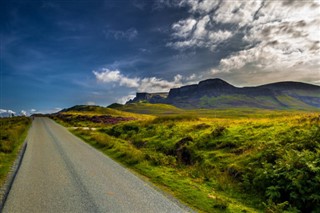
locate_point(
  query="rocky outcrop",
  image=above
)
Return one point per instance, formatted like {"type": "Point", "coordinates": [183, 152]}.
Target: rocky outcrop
{"type": "Point", "coordinates": [149, 97]}
{"type": "Point", "coordinates": [210, 87]}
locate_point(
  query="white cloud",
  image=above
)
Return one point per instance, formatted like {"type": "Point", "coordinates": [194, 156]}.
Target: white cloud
{"type": "Point", "coordinates": [128, 34]}
{"type": "Point", "coordinates": [6, 113]}
{"type": "Point", "coordinates": [108, 76]}
{"type": "Point", "coordinates": [11, 112]}
{"type": "Point", "coordinates": [33, 110]}
{"type": "Point", "coordinates": [201, 30]}
{"type": "Point", "coordinates": [49, 111]}
{"type": "Point", "coordinates": [125, 99]}
{"type": "Point", "coordinates": [154, 84]}
{"type": "Point", "coordinates": [23, 112]}
{"type": "Point", "coordinates": [240, 13]}
{"type": "Point", "coordinates": [286, 37]}
{"type": "Point", "coordinates": [147, 84]}
{"type": "Point", "coordinates": [184, 28]}
{"type": "Point", "coordinates": [57, 109]}
{"type": "Point", "coordinates": [91, 103]}
{"type": "Point", "coordinates": [204, 6]}
{"type": "Point", "coordinates": [196, 33]}
{"type": "Point", "coordinates": [273, 36]}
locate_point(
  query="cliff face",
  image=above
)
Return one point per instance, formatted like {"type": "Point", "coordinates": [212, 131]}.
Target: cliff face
{"type": "Point", "coordinates": [149, 97]}
{"type": "Point", "coordinates": [210, 87]}
{"type": "Point", "coordinates": [216, 93]}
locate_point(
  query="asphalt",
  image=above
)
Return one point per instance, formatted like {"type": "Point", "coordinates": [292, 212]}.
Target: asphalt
{"type": "Point", "coordinates": [61, 173]}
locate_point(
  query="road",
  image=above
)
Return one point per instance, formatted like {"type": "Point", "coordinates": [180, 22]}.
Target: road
{"type": "Point", "coordinates": [61, 173]}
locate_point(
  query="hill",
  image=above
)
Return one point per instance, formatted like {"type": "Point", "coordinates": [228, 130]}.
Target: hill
{"type": "Point", "coordinates": [85, 115]}
{"type": "Point", "coordinates": [216, 93]}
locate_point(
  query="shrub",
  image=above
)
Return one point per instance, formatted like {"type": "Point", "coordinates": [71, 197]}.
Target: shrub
{"type": "Point", "coordinates": [218, 131]}
{"type": "Point", "coordinates": [130, 127]}
{"type": "Point", "coordinates": [220, 204]}
{"type": "Point", "coordinates": [200, 126]}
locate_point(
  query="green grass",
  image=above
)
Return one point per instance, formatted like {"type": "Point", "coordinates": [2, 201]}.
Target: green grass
{"type": "Point", "coordinates": [13, 131]}
{"type": "Point", "coordinates": [151, 109]}
{"type": "Point", "coordinates": [98, 110]}
{"type": "Point", "coordinates": [239, 112]}
{"type": "Point", "coordinates": [235, 160]}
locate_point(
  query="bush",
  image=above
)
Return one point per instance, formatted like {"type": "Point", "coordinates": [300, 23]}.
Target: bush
{"type": "Point", "coordinates": [218, 131]}
{"type": "Point", "coordinates": [293, 177]}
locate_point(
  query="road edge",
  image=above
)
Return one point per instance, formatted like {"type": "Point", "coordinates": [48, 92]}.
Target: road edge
{"type": "Point", "coordinates": [5, 189]}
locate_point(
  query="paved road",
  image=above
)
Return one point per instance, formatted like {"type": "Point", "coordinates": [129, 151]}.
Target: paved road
{"type": "Point", "coordinates": [60, 173]}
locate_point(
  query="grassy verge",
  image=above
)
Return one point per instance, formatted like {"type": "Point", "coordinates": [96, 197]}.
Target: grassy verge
{"type": "Point", "coordinates": [174, 180]}
{"type": "Point", "coordinates": [13, 131]}
{"type": "Point", "coordinates": [233, 164]}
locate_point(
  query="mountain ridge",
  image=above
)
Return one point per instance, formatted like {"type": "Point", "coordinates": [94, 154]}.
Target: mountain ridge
{"type": "Point", "coordinates": [217, 93]}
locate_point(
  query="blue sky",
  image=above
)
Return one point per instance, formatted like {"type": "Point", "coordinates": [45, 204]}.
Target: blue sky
{"type": "Point", "coordinates": [55, 54]}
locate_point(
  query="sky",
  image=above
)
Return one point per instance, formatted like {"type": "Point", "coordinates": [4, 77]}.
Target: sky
{"type": "Point", "coordinates": [56, 54]}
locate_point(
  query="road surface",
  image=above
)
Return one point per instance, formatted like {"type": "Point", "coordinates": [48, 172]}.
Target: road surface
{"type": "Point", "coordinates": [61, 173]}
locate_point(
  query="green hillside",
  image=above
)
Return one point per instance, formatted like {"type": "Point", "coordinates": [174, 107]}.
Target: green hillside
{"type": "Point", "coordinates": [264, 102]}
{"type": "Point", "coordinates": [152, 109]}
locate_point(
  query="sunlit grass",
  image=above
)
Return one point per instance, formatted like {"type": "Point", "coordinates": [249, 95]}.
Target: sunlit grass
{"type": "Point", "coordinates": [249, 161]}
{"type": "Point", "coordinates": [12, 134]}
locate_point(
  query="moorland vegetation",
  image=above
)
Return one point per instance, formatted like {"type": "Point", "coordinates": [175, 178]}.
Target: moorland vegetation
{"type": "Point", "coordinates": [12, 134]}
{"type": "Point", "coordinates": [235, 160]}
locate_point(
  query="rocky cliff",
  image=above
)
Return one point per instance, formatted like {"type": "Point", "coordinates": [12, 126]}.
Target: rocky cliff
{"type": "Point", "coordinates": [149, 97]}
{"type": "Point", "coordinates": [216, 93]}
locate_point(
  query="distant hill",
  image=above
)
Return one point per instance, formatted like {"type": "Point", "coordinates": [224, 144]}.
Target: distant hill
{"type": "Point", "coordinates": [216, 93]}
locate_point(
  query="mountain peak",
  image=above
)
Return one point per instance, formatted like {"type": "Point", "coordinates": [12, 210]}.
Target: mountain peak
{"type": "Point", "coordinates": [213, 80]}
{"type": "Point", "coordinates": [215, 83]}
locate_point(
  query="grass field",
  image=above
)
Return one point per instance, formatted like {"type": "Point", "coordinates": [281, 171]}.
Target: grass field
{"type": "Point", "coordinates": [236, 160]}
{"type": "Point", "coordinates": [12, 134]}
{"type": "Point", "coordinates": [240, 112]}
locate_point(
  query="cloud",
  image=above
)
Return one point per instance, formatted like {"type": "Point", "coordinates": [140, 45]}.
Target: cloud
{"type": "Point", "coordinates": [139, 4]}
{"type": "Point", "coordinates": [147, 84]}
{"type": "Point", "coordinates": [23, 112]}
{"type": "Point", "coordinates": [160, 4]}
{"type": "Point", "coordinates": [281, 37]}
{"type": "Point", "coordinates": [91, 103]}
{"type": "Point", "coordinates": [6, 113]}
{"type": "Point", "coordinates": [267, 36]}
{"type": "Point", "coordinates": [108, 76]}
{"type": "Point", "coordinates": [48, 111]}
{"type": "Point", "coordinates": [154, 84]}
{"type": "Point", "coordinates": [11, 112]}
{"type": "Point", "coordinates": [183, 28]}
{"type": "Point", "coordinates": [193, 32]}
{"type": "Point", "coordinates": [124, 99]}
{"type": "Point", "coordinates": [128, 34]}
